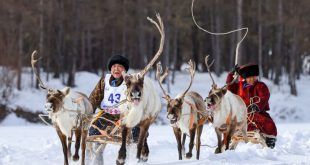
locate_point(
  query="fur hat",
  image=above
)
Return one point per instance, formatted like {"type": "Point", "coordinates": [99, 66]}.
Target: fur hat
{"type": "Point", "coordinates": [118, 59]}
{"type": "Point", "coordinates": [248, 70]}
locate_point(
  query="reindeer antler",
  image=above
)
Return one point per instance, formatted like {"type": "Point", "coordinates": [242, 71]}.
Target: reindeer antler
{"type": "Point", "coordinates": [33, 62]}
{"type": "Point", "coordinates": [233, 81]}
{"type": "Point", "coordinates": [160, 28]}
{"type": "Point", "coordinates": [208, 67]}
{"type": "Point", "coordinates": [191, 69]}
{"type": "Point", "coordinates": [160, 77]}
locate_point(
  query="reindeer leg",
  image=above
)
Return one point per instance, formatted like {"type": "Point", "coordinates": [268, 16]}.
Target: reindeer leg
{"type": "Point", "coordinates": [63, 140]}
{"type": "Point", "coordinates": [225, 139]}
{"type": "Point", "coordinates": [230, 133]}
{"type": "Point", "coordinates": [122, 151]}
{"type": "Point", "coordinates": [142, 139]}
{"type": "Point", "coordinates": [183, 144]}
{"type": "Point", "coordinates": [77, 144]}
{"type": "Point", "coordinates": [145, 149]}
{"type": "Point", "coordinates": [84, 135]}
{"type": "Point", "coordinates": [219, 141]}
{"type": "Point", "coordinates": [69, 145]}
{"type": "Point", "coordinates": [192, 134]}
{"type": "Point", "coordinates": [198, 142]}
{"type": "Point", "coordinates": [177, 133]}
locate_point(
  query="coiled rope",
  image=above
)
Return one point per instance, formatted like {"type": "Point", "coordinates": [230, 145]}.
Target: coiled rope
{"type": "Point", "coordinates": [224, 33]}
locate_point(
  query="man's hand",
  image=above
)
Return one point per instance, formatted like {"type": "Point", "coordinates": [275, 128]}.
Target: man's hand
{"type": "Point", "coordinates": [253, 108]}
{"type": "Point", "coordinates": [236, 68]}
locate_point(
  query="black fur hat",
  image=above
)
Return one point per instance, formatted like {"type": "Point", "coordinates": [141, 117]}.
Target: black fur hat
{"type": "Point", "coordinates": [118, 59]}
{"type": "Point", "coordinates": [248, 70]}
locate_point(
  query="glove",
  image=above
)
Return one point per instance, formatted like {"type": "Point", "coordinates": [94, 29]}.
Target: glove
{"type": "Point", "coordinates": [253, 108]}
{"type": "Point", "coordinates": [236, 68]}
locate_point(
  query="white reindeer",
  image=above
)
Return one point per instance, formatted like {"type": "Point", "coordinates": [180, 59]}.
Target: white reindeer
{"type": "Point", "coordinates": [228, 112]}
{"type": "Point", "coordinates": [68, 111]}
{"type": "Point", "coordinates": [143, 104]}
{"type": "Point", "coordinates": [186, 112]}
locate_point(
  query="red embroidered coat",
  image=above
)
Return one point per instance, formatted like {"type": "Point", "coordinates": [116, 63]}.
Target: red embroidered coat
{"type": "Point", "coordinates": [259, 90]}
{"type": "Point", "coordinates": [262, 120]}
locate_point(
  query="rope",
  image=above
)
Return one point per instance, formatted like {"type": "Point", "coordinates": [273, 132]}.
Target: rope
{"type": "Point", "coordinates": [207, 145]}
{"type": "Point", "coordinates": [251, 114]}
{"type": "Point", "coordinates": [224, 33]}
{"type": "Point", "coordinates": [41, 117]}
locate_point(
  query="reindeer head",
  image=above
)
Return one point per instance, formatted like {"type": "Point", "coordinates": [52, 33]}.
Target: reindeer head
{"type": "Point", "coordinates": [134, 87]}
{"type": "Point", "coordinates": [216, 94]}
{"type": "Point", "coordinates": [174, 106]}
{"type": "Point", "coordinates": [54, 97]}
{"type": "Point", "coordinates": [135, 82]}
{"type": "Point", "coordinates": [214, 98]}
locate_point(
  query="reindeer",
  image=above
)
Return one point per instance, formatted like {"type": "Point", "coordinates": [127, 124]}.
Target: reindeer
{"type": "Point", "coordinates": [68, 111]}
{"type": "Point", "coordinates": [228, 112]}
{"type": "Point", "coordinates": [186, 112]}
{"type": "Point", "coordinates": [142, 106]}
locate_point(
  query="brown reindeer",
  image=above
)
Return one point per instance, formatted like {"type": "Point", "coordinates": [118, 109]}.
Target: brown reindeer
{"type": "Point", "coordinates": [68, 111]}
{"type": "Point", "coordinates": [142, 105]}
{"type": "Point", "coordinates": [228, 111]}
{"type": "Point", "coordinates": [186, 113]}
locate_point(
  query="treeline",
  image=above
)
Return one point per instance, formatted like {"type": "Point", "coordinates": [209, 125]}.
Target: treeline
{"type": "Point", "coordinates": [75, 35]}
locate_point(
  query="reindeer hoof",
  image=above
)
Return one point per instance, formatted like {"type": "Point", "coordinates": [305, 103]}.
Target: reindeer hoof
{"type": "Point", "coordinates": [189, 155]}
{"type": "Point", "coordinates": [217, 150]}
{"type": "Point", "coordinates": [76, 158]}
{"type": "Point", "coordinates": [143, 159]}
{"type": "Point", "coordinates": [120, 162]}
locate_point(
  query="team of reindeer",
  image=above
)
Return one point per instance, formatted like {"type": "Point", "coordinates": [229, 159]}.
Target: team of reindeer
{"type": "Point", "coordinates": [187, 112]}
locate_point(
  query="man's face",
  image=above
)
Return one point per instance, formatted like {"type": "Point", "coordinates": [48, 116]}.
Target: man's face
{"type": "Point", "coordinates": [251, 80]}
{"type": "Point", "coordinates": [116, 70]}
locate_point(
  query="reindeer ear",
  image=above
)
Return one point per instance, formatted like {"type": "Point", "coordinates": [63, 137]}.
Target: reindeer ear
{"type": "Point", "coordinates": [126, 77]}
{"type": "Point", "coordinates": [66, 90]}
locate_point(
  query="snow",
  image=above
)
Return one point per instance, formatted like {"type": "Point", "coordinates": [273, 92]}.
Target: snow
{"type": "Point", "coordinates": [22, 142]}
{"type": "Point", "coordinates": [37, 145]}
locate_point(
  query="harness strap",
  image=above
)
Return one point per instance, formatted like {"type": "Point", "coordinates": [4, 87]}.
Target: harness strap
{"type": "Point", "coordinates": [191, 121]}
{"type": "Point", "coordinates": [201, 118]}
{"type": "Point", "coordinates": [201, 121]}
{"type": "Point", "coordinates": [228, 119]}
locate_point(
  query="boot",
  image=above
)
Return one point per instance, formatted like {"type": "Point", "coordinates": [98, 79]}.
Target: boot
{"type": "Point", "coordinates": [270, 142]}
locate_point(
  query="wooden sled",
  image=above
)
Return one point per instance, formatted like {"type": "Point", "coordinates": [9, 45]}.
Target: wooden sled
{"type": "Point", "coordinates": [253, 136]}
{"type": "Point", "coordinates": [112, 134]}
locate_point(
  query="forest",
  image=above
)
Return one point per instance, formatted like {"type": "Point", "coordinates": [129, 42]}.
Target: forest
{"type": "Point", "coordinates": [81, 35]}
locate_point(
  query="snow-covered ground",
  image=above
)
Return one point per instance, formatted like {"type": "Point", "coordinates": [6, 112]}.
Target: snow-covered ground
{"type": "Point", "coordinates": [22, 142]}
{"type": "Point", "coordinates": [37, 145]}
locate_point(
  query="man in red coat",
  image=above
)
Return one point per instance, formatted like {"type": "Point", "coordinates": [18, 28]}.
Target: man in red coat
{"type": "Point", "coordinates": [255, 95]}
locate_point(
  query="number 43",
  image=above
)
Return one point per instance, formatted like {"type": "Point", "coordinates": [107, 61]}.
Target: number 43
{"type": "Point", "coordinates": [114, 98]}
